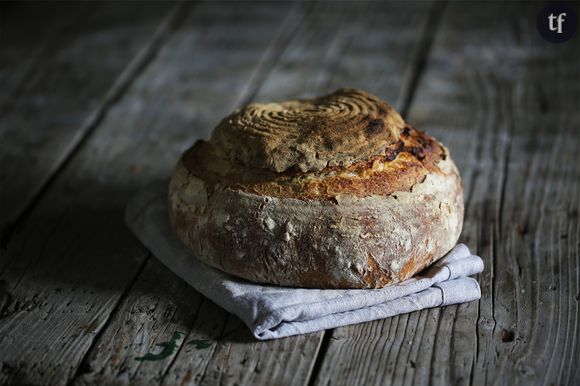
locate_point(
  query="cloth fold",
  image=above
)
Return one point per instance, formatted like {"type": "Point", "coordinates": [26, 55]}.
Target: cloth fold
{"type": "Point", "coordinates": [274, 312]}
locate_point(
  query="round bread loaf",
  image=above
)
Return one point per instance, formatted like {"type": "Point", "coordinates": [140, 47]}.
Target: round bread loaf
{"type": "Point", "coordinates": [332, 192]}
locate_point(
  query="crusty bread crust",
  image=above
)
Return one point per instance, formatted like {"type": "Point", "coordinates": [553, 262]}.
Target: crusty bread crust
{"type": "Point", "coordinates": [365, 223]}
{"type": "Point", "coordinates": [309, 134]}
{"type": "Point", "coordinates": [400, 166]}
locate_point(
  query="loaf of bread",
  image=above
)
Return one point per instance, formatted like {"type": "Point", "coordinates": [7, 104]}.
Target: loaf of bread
{"type": "Point", "coordinates": [332, 192]}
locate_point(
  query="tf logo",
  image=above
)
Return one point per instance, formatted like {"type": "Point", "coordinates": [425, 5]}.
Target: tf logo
{"type": "Point", "coordinates": [557, 22]}
{"type": "Point", "coordinates": [560, 19]}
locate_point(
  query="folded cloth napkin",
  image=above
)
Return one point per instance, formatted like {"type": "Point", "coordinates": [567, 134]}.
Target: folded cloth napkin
{"type": "Point", "coordinates": [274, 312]}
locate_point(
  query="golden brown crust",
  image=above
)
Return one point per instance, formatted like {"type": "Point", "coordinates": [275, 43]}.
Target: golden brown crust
{"type": "Point", "coordinates": [402, 165]}
{"type": "Point", "coordinates": [340, 128]}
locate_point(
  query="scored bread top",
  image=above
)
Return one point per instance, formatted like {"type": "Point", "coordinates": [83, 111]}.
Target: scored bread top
{"type": "Point", "coordinates": [340, 128]}
{"type": "Point", "coordinates": [403, 164]}
{"type": "Point", "coordinates": [406, 156]}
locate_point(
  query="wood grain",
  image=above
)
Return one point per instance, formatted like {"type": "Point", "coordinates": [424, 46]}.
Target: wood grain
{"type": "Point", "coordinates": [501, 99]}
{"type": "Point", "coordinates": [61, 66]}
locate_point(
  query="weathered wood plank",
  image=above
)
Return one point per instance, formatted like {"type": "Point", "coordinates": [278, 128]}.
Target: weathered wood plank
{"type": "Point", "coordinates": [540, 221]}
{"type": "Point", "coordinates": [66, 270]}
{"type": "Point", "coordinates": [61, 65]}
{"type": "Point", "coordinates": [21, 45]}
{"type": "Point", "coordinates": [502, 101]}
{"type": "Point", "coordinates": [227, 353]}
{"type": "Point", "coordinates": [31, 361]}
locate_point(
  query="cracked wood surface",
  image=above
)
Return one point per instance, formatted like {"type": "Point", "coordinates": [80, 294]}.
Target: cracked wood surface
{"type": "Point", "coordinates": [82, 302]}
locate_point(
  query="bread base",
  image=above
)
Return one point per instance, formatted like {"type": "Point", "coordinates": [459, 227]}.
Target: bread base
{"type": "Point", "coordinates": [346, 242]}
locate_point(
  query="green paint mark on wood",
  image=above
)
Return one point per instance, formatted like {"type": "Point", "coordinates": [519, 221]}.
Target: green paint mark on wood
{"type": "Point", "coordinates": [168, 348]}
{"type": "Point", "coordinates": [200, 344]}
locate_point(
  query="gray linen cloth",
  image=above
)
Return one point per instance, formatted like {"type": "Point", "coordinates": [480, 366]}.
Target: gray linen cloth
{"type": "Point", "coordinates": [274, 312]}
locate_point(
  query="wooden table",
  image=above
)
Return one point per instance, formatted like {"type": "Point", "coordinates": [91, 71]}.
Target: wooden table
{"type": "Point", "coordinates": [99, 99]}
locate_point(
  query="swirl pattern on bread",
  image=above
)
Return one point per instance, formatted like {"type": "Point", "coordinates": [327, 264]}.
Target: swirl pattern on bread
{"type": "Point", "coordinates": [309, 134]}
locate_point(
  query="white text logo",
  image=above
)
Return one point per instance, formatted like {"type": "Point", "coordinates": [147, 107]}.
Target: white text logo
{"type": "Point", "coordinates": [559, 19]}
